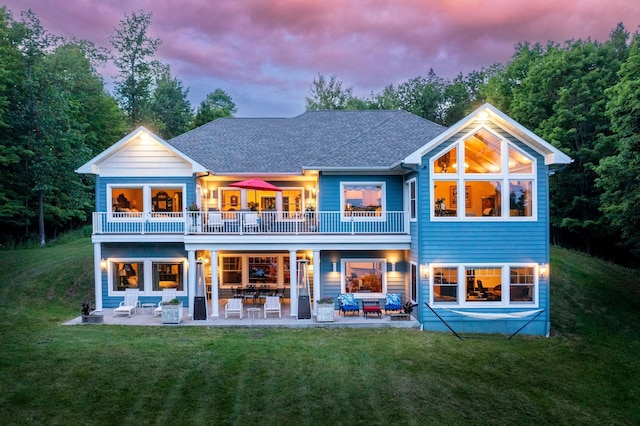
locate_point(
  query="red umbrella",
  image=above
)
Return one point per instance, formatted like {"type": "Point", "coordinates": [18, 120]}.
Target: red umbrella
{"type": "Point", "coordinates": [257, 184]}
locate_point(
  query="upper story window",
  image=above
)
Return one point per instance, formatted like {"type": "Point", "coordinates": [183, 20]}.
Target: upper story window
{"type": "Point", "coordinates": [483, 176]}
{"type": "Point", "coordinates": [362, 199]}
{"type": "Point", "coordinates": [129, 201]}
{"type": "Point", "coordinates": [412, 198]}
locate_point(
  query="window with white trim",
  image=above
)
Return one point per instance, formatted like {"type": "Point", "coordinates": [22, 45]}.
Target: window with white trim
{"type": "Point", "coordinates": [150, 276]}
{"type": "Point", "coordinates": [413, 282]}
{"type": "Point", "coordinates": [364, 200]}
{"type": "Point", "coordinates": [487, 285]}
{"type": "Point", "coordinates": [364, 277]}
{"type": "Point", "coordinates": [412, 197]}
{"type": "Point", "coordinates": [165, 201]}
{"type": "Point", "coordinates": [483, 177]}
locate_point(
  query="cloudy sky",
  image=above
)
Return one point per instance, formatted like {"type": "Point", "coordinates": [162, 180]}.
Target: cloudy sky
{"type": "Point", "coordinates": [265, 53]}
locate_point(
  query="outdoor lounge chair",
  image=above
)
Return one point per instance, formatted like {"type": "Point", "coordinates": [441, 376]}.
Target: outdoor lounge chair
{"type": "Point", "coordinates": [130, 304]}
{"type": "Point", "coordinates": [251, 222]}
{"type": "Point", "coordinates": [233, 306]}
{"type": "Point", "coordinates": [215, 222]}
{"type": "Point", "coordinates": [272, 305]}
{"type": "Point", "coordinates": [393, 302]}
{"type": "Point", "coordinates": [167, 295]}
{"type": "Point", "coordinates": [348, 303]}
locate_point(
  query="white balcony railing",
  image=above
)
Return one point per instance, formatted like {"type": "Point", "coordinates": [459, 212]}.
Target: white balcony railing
{"type": "Point", "coordinates": [242, 223]}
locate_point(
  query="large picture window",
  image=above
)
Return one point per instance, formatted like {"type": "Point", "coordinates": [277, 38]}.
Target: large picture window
{"type": "Point", "coordinates": [495, 285]}
{"type": "Point", "coordinates": [168, 275]}
{"type": "Point", "coordinates": [127, 275]}
{"type": "Point", "coordinates": [150, 276]}
{"type": "Point", "coordinates": [131, 201]}
{"type": "Point", "coordinates": [362, 199]}
{"type": "Point", "coordinates": [471, 179]}
{"type": "Point", "coordinates": [364, 277]}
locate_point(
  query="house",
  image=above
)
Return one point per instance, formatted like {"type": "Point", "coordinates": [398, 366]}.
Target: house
{"type": "Point", "coordinates": [364, 202]}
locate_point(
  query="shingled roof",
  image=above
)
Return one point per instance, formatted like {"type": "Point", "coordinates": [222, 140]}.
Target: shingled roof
{"type": "Point", "coordinates": [314, 140]}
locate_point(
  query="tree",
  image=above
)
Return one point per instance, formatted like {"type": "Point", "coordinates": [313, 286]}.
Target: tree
{"type": "Point", "coordinates": [134, 48]}
{"type": "Point", "coordinates": [170, 108]}
{"type": "Point", "coordinates": [328, 95]}
{"type": "Point", "coordinates": [619, 174]}
{"type": "Point", "coordinates": [216, 105]}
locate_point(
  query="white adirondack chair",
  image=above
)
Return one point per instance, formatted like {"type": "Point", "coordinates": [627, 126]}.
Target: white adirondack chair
{"type": "Point", "coordinates": [130, 304]}
{"type": "Point", "coordinates": [272, 305]}
{"type": "Point", "coordinates": [233, 306]}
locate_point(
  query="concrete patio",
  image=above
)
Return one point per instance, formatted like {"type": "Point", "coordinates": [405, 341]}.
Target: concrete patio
{"type": "Point", "coordinates": [145, 317]}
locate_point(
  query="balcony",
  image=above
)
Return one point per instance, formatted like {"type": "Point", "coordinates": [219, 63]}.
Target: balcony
{"type": "Point", "coordinates": [249, 223]}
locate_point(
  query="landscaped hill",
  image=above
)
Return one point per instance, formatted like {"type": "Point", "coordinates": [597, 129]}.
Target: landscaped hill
{"type": "Point", "coordinates": [587, 372]}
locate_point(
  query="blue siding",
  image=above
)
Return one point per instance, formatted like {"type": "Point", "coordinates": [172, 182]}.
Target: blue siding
{"type": "Point", "coordinates": [138, 250]}
{"type": "Point", "coordinates": [330, 190]}
{"type": "Point", "coordinates": [499, 241]}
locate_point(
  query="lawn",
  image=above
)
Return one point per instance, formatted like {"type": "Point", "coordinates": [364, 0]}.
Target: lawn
{"type": "Point", "coordinates": [587, 372]}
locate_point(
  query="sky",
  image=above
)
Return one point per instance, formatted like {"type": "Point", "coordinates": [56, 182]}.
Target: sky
{"type": "Point", "coordinates": [266, 53]}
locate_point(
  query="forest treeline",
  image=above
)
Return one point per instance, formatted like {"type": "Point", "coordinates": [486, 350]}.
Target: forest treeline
{"type": "Point", "coordinates": [583, 96]}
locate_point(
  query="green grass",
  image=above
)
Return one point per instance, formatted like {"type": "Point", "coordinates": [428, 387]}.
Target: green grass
{"type": "Point", "coordinates": [587, 372]}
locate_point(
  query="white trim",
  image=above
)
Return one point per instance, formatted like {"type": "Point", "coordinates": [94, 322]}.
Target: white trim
{"type": "Point", "coordinates": [505, 285]}
{"type": "Point", "coordinates": [551, 154]}
{"type": "Point", "coordinates": [383, 270]}
{"type": "Point", "coordinates": [147, 201]}
{"type": "Point", "coordinates": [408, 199]}
{"type": "Point", "coordinates": [93, 166]}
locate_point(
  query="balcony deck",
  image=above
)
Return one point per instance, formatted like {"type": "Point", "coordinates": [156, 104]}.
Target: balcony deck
{"type": "Point", "coordinates": [250, 223]}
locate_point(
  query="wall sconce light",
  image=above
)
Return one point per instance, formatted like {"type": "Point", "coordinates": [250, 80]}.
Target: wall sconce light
{"type": "Point", "coordinates": [103, 264]}
{"type": "Point", "coordinates": [393, 266]}
{"type": "Point", "coordinates": [483, 115]}
{"type": "Point", "coordinates": [424, 271]}
{"type": "Point", "coordinates": [335, 267]}
{"type": "Point", "coordinates": [542, 269]}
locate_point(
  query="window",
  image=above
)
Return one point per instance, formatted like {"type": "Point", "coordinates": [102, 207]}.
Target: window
{"type": "Point", "coordinates": [493, 285]}
{"type": "Point", "coordinates": [521, 284]}
{"type": "Point", "coordinates": [364, 277]}
{"type": "Point", "coordinates": [127, 275]}
{"type": "Point", "coordinates": [230, 200]}
{"type": "Point", "coordinates": [231, 270]}
{"type": "Point", "coordinates": [131, 201]}
{"type": "Point", "coordinates": [362, 199]}
{"type": "Point", "coordinates": [482, 284]}
{"type": "Point", "coordinates": [413, 279]}
{"type": "Point", "coordinates": [167, 275]}
{"type": "Point", "coordinates": [470, 180]}
{"type": "Point", "coordinates": [412, 197]}
{"type": "Point", "coordinates": [150, 276]}
{"type": "Point", "coordinates": [445, 284]}
{"type": "Point", "coordinates": [263, 270]}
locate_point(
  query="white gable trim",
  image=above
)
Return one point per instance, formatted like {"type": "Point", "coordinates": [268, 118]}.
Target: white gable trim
{"type": "Point", "coordinates": [489, 113]}
{"type": "Point", "coordinates": [93, 165]}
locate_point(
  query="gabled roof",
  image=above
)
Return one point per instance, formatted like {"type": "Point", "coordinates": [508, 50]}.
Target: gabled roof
{"type": "Point", "coordinates": [319, 140]}
{"type": "Point", "coordinates": [489, 113]}
{"type": "Point", "coordinates": [93, 165]}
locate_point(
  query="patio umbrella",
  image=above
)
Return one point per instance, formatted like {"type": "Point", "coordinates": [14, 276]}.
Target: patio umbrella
{"type": "Point", "coordinates": [256, 184]}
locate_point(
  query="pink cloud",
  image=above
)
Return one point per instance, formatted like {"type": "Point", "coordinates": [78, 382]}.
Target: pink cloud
{"type": "Point", "coordinates": [258, 49]}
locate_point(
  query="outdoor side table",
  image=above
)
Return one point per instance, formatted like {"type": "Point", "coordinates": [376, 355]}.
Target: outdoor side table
{"type": "Point", "coordinates": [252, 312]}
{"type": "Point", "coordinates": [151, 306]}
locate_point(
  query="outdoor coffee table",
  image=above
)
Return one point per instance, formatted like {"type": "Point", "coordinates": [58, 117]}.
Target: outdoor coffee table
{"type": "Point", "coordinates": [148, 305]}
{"type": "Point", "coordinates": [251, 312]}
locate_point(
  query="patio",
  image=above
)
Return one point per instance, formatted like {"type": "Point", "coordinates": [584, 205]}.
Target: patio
{"type": "Point", "coordinates": [144, 317]}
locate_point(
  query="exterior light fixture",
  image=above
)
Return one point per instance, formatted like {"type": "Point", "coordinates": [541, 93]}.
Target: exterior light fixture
{"type": "Point", "coordinates": [393, 266]}
{"type": "Point", "coordinates": [542, 269]}
{"type": "Point", "coordinates": [335, 267]}
{"type": "Point", "coordinates": [424, 271]}
{"type": "Point", "coordinates": [103, 264]}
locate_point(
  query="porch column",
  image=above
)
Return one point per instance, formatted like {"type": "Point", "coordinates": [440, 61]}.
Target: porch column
{"type": "Point", "coordinates": [97, 274]}
{"type": "Point", "coordinates": [316, 279]}
{"type": "Point", "coordinates": [293, 283]}
{"type": "Point", "coordinates": [191, 279]}
{"type": "Point", "coordinates": [214, 284]}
